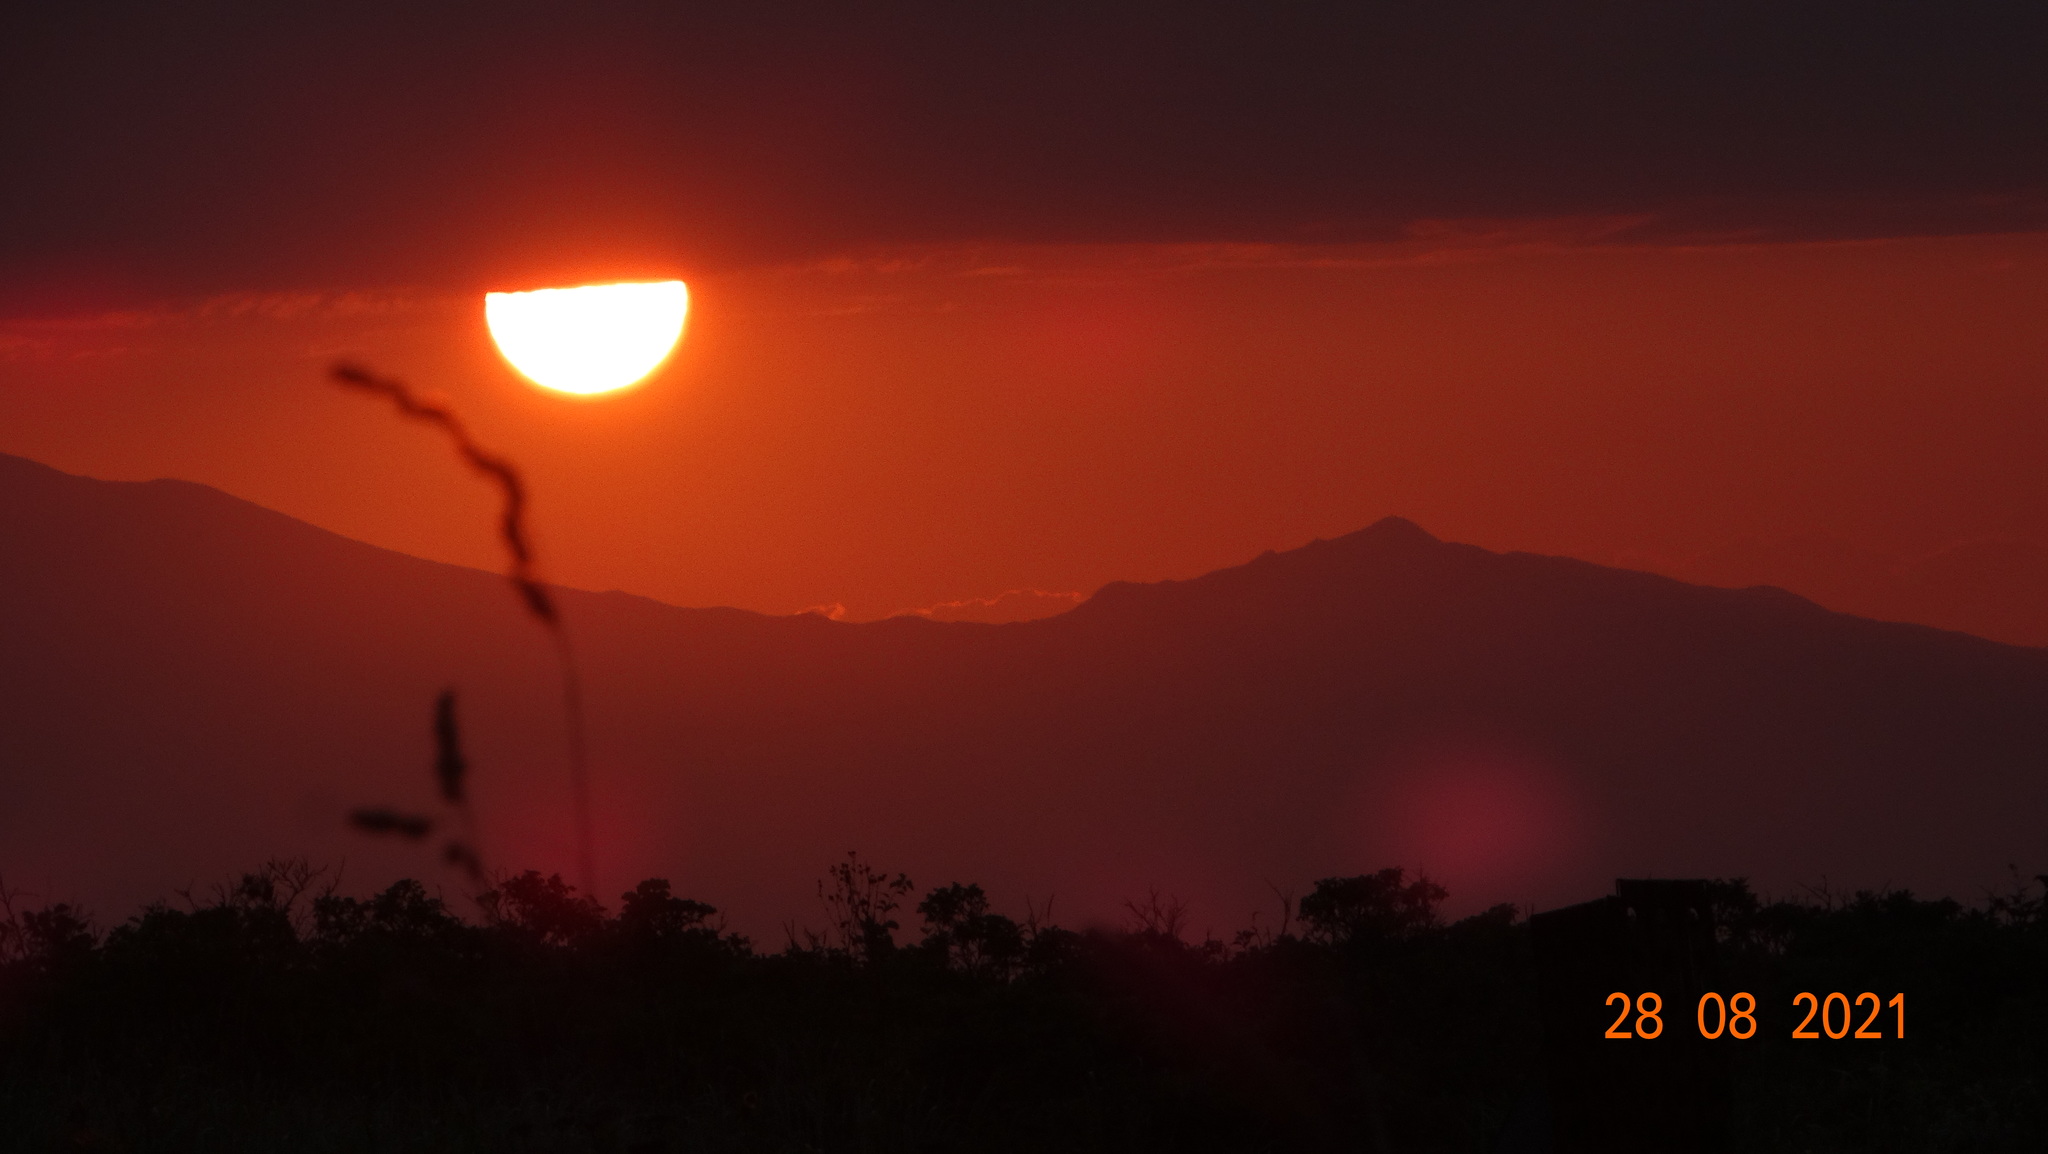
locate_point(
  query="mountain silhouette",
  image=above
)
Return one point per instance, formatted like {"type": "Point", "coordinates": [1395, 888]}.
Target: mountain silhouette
{"type": "Point", "coordinates": [194, 683]}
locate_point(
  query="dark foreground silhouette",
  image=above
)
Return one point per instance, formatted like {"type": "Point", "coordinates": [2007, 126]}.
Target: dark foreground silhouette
{"type": "Point", "coordinates": [278, 1014]}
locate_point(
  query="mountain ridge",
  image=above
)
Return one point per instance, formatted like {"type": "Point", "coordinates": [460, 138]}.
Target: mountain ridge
{"type": "Point", "coordinates": [1391, 530]}
{"type": "Point", "coordinates": [196, 683]}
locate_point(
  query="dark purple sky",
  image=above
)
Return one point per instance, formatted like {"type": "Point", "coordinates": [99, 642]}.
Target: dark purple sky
{"type": "Point", "coordinates": [193, 148]}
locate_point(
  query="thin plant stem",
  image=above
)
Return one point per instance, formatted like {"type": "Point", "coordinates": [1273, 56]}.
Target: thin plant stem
{"type": "Point", "coordinates": [520, 572]}
{"type": "Point", "coordinates": [579, 774]}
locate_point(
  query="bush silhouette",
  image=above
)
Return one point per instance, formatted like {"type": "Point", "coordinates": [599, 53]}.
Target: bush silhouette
{"type": "Point", "coordinates": [402, 914]}
{"type": "Point", "coordinates": [858, 902]}
{"type": "Point", "coordinates": [277, 1013]}
{"type": "Point", "coordinates": [545, 909]}
{"type": "Point", "coordinates": [1371, 908]}
{"type": "Point", "coordinates": [962, 933]}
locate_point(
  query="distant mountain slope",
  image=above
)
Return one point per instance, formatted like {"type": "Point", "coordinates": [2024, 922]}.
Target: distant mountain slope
{"type": "Point", "coordinates": [1993, 587]}
{"type": "Point", "coordinates": [193, 683]}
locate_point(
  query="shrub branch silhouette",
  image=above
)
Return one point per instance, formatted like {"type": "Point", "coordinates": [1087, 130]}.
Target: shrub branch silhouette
{"type": "Point", "coordinates": [961, 932]}
{"type": "Point", "coordinates": [858, 900]}
{"type": "Point", "coordinates": [538, 602]}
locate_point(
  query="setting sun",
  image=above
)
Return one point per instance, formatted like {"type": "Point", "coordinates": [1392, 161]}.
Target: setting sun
{"type": "Point", "coordinates": [592, 339]}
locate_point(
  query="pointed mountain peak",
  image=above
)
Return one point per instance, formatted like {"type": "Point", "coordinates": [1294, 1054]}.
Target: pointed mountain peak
{"type": "Point", "coordinates": [1388, 536]}
{"type": "Point", "coordinates": [1384, 536]}
{"type": "Point", "coordinates": [1391, 530]}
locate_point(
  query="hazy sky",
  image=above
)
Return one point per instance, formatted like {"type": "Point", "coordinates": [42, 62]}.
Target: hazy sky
{"type": "Point", "coordinates": [1044, 300]}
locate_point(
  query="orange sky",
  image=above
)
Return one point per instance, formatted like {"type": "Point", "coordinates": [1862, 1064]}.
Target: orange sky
{"type": "Point", "coordinates": [912, 426]}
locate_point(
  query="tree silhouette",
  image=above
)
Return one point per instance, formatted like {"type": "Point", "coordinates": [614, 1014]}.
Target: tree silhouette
{"type": "Point", "coordinates": [546, 909]}
{"type": "Point", "coordinates": [858, 901]}
{"type": "Point", "coordinates": [960, 931]}
{"type": "Point", "coordinates": [1369, 908]}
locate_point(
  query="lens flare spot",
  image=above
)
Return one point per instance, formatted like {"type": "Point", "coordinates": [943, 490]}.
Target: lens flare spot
{"type": "Point", "coordinates": [1486, 819]}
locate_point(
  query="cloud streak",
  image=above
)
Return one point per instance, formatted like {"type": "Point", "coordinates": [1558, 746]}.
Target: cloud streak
{"type": "Point", "coordinates": [1009, 606]}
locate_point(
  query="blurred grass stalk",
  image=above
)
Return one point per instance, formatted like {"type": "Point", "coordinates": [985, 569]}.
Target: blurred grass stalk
{"type": "Point", "coordinates": [539, 605]}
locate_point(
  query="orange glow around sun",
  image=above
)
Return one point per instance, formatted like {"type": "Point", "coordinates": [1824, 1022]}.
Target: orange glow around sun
{"type": "Point", "coordinates": [592, 339]}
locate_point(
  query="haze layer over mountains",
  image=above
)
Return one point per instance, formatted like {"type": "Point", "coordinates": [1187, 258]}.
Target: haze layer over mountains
{"type": "Point", "coordinates": [194, 683]}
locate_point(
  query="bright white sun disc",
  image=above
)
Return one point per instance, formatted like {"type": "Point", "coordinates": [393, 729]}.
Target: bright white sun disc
{"type": "Point", "coordinates": [591, 339]}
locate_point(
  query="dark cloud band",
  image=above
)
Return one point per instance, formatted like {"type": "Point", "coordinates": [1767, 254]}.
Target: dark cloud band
{"type": "Point", "coordinates": [200, 147]}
